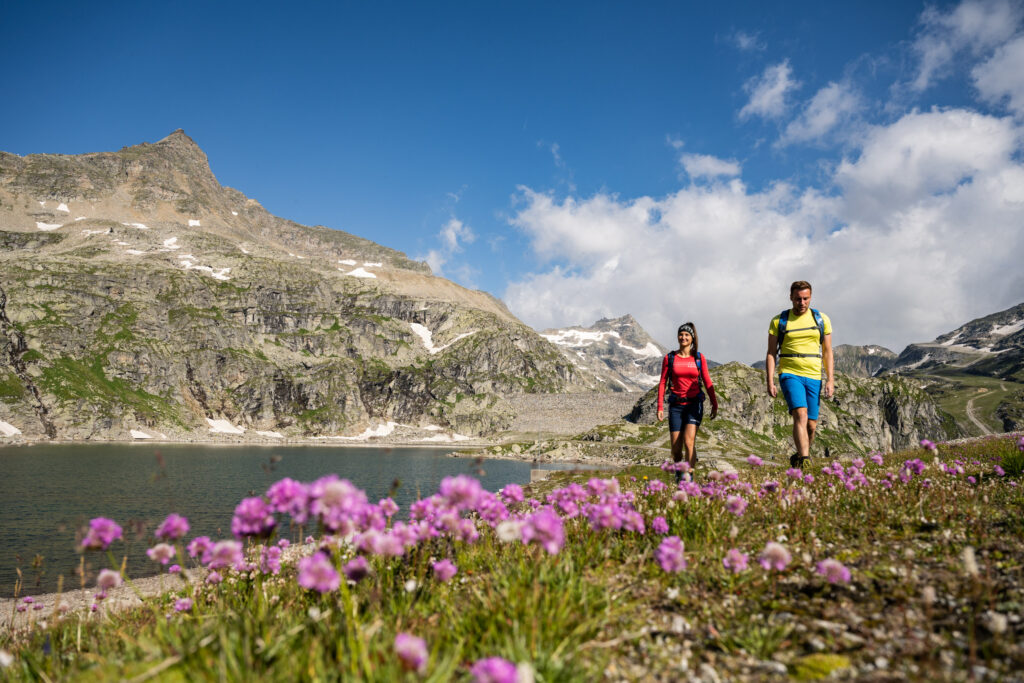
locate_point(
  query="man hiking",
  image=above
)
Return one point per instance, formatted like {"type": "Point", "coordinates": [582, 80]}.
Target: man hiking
{"type": "Point", "coordinates": [802, 339]}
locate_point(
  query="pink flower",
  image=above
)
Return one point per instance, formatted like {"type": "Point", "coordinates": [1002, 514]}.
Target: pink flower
{"type": "Point", "coordinates": [174, 569]}
{"type": "Point", "coordinates": [929, 445]}
{"type": "Point", "coordinates": [833, 571]}
{"type": "Point", "coordinates": [270, 560]}
{"type": "Point", "coordinates": [774, 556]}
{"type": "Point", "coordinates": [172, 528]}
{"type": "Point", "coordinates": [102, 532]}
{"type": "Point", "coordinates": [161, 552]}
{"type": "Point", "coordinates": [494, 670]}
{"type": "Point", "coordinates": [253, 517]}
{"type": "Point", "coordinates": [512, 493]}
{"type": "Point", "coordinates": [735, 561]}
{"type": "Point", "coordinates": [224, 554]}
{"type": "Point", "coordinates": [737, 505]}
{"type": "Point", "coordinates": [460, 492]}
{"type": "Point", "coordinates": [388, 506]}
{"type": "Point", "coordinates": [544, 528]}
{"type": "Point", "coordinates": [659, 525]}
{"type": "Point", "coordinates": [755, 461]}
{"type": "Point", "coordinates": [199, 546]}
{"type": "Point", "coordinates": [444, 570]}
{"type": "Point", "coordinates": [412, 652]}
{"type": "Point", "coordinates": [213, 578]}
{"type": "Point", "coordinates": [183, 605]}
{"type": "Point", "coordinates": [670, 554]}
{"type": "Point", "coordinates": [877, 459]}
{"type": "Point", "coordinates": [108, 579]}
{"type": "Point", "coordinates": [317, 573]}
{"type": "Point", "coordinates": [356, 569]}
{"type": "Point", "coordinates": [291, 497]}
{"type": "Point", "coordinates": [794, 473]}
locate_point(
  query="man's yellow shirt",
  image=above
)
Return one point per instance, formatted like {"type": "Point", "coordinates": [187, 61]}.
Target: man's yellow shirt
{"type": "Point", "coordinates": [801, 337]}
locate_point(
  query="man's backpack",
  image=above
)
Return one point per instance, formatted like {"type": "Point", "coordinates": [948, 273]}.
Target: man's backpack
{"type": "Point", "coordinates": [671, 374]}
{"type": "Point", "coordinates": [819, 322]}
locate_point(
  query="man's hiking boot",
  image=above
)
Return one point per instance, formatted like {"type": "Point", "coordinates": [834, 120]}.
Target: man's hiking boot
{"type": "Point", "coordinates": [796, 461]}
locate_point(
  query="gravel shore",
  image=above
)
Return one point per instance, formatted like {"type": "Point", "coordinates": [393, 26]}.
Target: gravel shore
{"type": "Point", "coordinates": [568, 414]}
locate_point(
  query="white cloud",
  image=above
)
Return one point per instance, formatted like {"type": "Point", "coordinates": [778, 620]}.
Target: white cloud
{"type": "Point", "coordinates": [452, 235]}
{"type": "Point", "coordinates": [768, 92]}
{"type": "Point", "coordinates": [706, 166]}
{"type": "Point", "coordinates": [832, 105]}
{"type": "Point", "coordinates": [1002, 76]}
{"type": "Point", "coordinates": [921, 155]}
{"type": "Point", "coordinates": [747, 42]}
{"type": "Point", "coordinates": [943, 247]}
{"type": "Point", "coordinates": [974, 25]}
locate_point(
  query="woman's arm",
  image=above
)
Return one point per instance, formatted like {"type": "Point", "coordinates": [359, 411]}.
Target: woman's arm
{"type": "Point", "coordinates": [661, 388]}
{"type": "Point", "coordinates": [714, 402]}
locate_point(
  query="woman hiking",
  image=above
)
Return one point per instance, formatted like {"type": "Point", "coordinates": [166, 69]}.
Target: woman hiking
{"type": "Point", "coordinates": [683, 371]}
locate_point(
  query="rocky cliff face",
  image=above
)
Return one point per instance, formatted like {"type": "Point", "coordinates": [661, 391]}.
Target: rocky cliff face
{"type": "Point", "coordinates": [617, 351]}
{"type": "Point", "coordinates": [862, 361]}
{"type": "Point", "coordinates": [868, 414]}
{"type": "Point", "coordinates": [139, 296]}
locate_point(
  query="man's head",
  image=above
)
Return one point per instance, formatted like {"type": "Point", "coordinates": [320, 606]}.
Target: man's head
{"type": "Point", "coordinates": [800, 295]}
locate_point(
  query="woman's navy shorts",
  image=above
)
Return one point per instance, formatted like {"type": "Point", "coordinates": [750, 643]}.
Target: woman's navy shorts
{"type": "Point", "coordinates": [681, 412]}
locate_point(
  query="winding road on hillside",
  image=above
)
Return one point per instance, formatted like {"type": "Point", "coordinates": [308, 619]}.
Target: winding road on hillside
{"type": "Point", "coordinates": [974, 418]}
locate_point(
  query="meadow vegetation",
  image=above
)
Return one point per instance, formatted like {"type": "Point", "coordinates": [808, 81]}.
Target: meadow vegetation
{"type": "Point", "coordinates": [903, 566]}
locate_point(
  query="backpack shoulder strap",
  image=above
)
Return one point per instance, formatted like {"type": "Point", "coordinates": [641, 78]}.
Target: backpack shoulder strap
{"type": "Point", "coordinates": [783, 321]}
{"type": "Point", "coordinates": [820, 322]}
{"type": "Point", "coordinates": [671, 357]}
{"type": "Point", "coordinates": [700, 380]}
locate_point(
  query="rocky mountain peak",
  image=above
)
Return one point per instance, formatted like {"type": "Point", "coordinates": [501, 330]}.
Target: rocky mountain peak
{"type": "Point", "coordinates": [617, 350]}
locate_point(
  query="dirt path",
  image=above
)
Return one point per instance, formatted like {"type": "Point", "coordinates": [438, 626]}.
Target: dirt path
{"type": "Point", "coordinates": [974, 418]}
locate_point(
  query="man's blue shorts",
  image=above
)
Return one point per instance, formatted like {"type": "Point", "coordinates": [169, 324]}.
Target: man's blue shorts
{"type": "Point", "coordinates": [684, 413]}
{"type": "Point", "coordinates": [801, 392]}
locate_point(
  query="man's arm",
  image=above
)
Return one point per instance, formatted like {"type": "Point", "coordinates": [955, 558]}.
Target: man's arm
{"type": "Point", "coordinates": [769, 364]}
{"type": "Point", "coordinates": [826, 358]}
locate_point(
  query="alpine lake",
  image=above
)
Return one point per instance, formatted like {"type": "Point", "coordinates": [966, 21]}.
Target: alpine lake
{"type": "Point", "coordinates": [49, 492]}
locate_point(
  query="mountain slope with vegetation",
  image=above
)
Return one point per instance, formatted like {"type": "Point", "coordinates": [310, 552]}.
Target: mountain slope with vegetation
{"type": "Point", "coordinates": [140, 298]}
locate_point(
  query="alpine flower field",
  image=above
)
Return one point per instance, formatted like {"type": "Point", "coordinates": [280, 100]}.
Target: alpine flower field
{"type": "Point", "coordinates": [904, 566]}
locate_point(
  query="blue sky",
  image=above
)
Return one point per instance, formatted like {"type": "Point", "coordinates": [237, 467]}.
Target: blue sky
{"type": "Point", "coordinates": [671, 160]}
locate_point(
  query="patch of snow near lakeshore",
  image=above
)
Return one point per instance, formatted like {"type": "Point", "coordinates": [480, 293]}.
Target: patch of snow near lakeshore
{"type": "Point", "coordinates": [136, 434]}
{"type": "Point", "coordinates": [193, 223]}
{"type": "Point", "coordinates": [64, 207]}
{"type": "Point", "coordinates": [374, 265]}
{"type": "Point", "coordinates": [134, 252]}
{"type": "Point", "coordinates": [140, 226]}
{"type": "Point", "coordinates": [234, 213]}
{"type": "Point", "coordinates": [224, 427]}
{"type": "Point", "coordinates": [649, 351]}
{"type": "Point", "coordinates": [171, 243]}
{"type": "Point", "coordinates": [96, 232]}
{"type": "Point", "coordinates": [578, 337]}
{"type": "Point", "coordinates": [432, 428]}
{"type": "Point", "coordinates": [446, 438]}
{"type": "Point", "coordinates": [7, 429]}
{"type": "Point", "coordinates": [42, 204]}
{"type": "Point", "coordinates": [346, 262]}
{"type": "Point", "coordinates": [370, 433]}
{"type": "Point", "coordinates": [359, 272]}
{"type": "Point", "coordinates": [81, 218]}
{"type": "Point", "coordinates": [47, 226]}
{"type": "Point", "coordinates": [273, 435]}
{"type": "Point", "coordinates": [1004, 330]}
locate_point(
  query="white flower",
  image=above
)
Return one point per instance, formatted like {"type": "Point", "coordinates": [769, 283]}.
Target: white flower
{"type": "Point", "coordinates": [410, 585]}
{"type": "Point", "coordinates": [970, 563]}
{"type": "Point", "coordinates": [6, 659]}
{"type": "Point", "coordinates": [509, 531]}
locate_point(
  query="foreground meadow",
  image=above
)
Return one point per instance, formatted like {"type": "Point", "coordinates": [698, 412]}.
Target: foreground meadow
{"type": "Point", "coordinates": [906, 566]}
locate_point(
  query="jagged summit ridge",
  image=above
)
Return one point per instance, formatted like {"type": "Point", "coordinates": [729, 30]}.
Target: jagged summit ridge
{"type": "Point", "coordinates": [619, 352]}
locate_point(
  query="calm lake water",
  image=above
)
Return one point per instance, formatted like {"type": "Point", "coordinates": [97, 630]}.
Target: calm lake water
{"type": "Point", "coordinates": [49, 492]}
